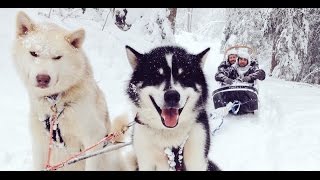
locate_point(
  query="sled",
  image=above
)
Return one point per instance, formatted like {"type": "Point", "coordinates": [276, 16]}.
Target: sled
{"type": "Point", "coordinates": [244, 97]}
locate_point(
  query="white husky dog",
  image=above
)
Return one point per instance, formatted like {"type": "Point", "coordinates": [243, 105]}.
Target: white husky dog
{"type": "Point", "coordinates": [55, 69]}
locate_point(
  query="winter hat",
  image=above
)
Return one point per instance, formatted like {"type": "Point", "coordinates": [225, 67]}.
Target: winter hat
{"type": "Point", "coordinates": [231, 51]}
{"type": "Point", "coordinates": [242, 70]}
{"type": "Point", "coordinates": [244, 54]}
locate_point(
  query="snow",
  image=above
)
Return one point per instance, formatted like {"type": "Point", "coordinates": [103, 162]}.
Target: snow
{"type": "Point", "coordinates": [283, 135]}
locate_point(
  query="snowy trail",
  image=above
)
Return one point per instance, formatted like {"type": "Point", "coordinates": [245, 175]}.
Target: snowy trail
{"type": "Point", "coordinates": [244, 140]}
{"type": "Point", "coordinates": [296, 137]}
{"type": "Point", "coordinates": [282, 136]}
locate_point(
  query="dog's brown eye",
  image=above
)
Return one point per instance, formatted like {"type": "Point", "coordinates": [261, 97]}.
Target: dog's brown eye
{"type": "Point", "coordinates": [57, 57]}
{"type": "Point", "coordinates": [34, 54]}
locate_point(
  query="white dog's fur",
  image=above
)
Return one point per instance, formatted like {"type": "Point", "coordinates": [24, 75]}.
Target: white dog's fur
{"type": "Point", "coordinates": [85, 121]}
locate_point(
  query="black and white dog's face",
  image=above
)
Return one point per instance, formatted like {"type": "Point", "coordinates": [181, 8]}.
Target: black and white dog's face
{"type": "Point", "coordinates": [167, 86]}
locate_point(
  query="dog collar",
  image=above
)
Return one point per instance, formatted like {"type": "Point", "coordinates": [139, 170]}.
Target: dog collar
{"type": "Point", "coordinates": [136, 119]}
{"type": "Point", "coordinates": [54, 98]}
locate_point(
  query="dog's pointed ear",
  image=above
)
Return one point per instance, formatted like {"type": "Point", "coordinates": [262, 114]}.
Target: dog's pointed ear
{"type": "Point", "coordinates": [133, 56]}
{"type": "Point", "coordinates": [24, 24]}
{"type": "Point", "coordinates": [76, 38]}
{"type": "Point", "coordinates": [203, 56]}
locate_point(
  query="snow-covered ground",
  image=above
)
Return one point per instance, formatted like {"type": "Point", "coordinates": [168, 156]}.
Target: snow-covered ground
{"type": "Point", "coordinates": [283, 135]}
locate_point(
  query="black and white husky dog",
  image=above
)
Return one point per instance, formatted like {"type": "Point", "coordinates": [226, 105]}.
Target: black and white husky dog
{"type": "Point", "coordinates": [169, 93]}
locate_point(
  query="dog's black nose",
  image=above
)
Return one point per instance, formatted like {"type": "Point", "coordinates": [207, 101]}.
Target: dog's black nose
{"type": "Point", "coordinates": [43, 80]}
{"type": "Point", "coordinates": [172, 98]}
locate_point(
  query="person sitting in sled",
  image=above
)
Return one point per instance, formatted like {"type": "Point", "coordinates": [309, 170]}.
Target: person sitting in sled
{"type": "Point", "coordinates": [225, 69]}
{"type": "Point", "coordinates": [246, 69]}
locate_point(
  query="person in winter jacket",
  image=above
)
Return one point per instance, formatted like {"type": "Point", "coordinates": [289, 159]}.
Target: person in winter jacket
{"type": "Point", "coordinates": [225, 68]}
{"type": "Point", "coordinates": [247, 70]}
{"type": "Point", "coordinates": [228, 71]}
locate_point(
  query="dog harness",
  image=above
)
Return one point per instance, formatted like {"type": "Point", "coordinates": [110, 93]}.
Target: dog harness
{"type": "Point", "coordinates": [56, 134]}
{"type": "Point", "coordinates": [136, 119]}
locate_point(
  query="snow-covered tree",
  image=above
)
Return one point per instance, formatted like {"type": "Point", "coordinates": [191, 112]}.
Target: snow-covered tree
{"type": "Point", "coordinates": [155, 23]}
{"type": "Point", "coordinates": [172, 18]}
{"type": "Point", "coordinates": [311, 68]}
{"type": "Point", "coordinates": [286, 38]}
{"type": "Point", "coordinates": [189, 23]}
{"type": "Point", "coordinates": [288, 30]}
{"type": "Point", "coordinates": [245, 26]}
{"type": "Point", "coordinates": [208, 22]}
{"type": "Point", "coordinates": [294, 33]}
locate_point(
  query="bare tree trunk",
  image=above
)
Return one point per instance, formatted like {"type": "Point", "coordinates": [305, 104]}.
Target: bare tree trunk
{"type": "Point", "coordinates": [50, 13]}
{"type": "Point", "coordinates": [83, 10]}
{"type": "Point", "coordinates": [106, 19]}
{"type": "Point", "coordinates": [274, 62]}
{"type": "Point", "coordinates": [189, 19]}
{"type": "Point", "coordinates": [172, 18]}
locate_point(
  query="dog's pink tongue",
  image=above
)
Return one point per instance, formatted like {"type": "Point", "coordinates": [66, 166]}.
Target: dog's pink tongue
{"type": "Point", "coordinates": [170, 117]}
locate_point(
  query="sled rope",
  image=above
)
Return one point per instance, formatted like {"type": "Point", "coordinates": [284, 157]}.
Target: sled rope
{"type": "Point", "coordinates": [52, 119]}
{"type": "Point", "coordinates": [53, 99]}
{"type": "Point", "coordinates": [75, 158]}
{"type": "Point", "coordinates": [218, 128]}
{"type": "Point", "coordinates": [236, 105]}
{"type": "Point", "coordinates": [223, 112]}
{"type": "Point", "coordinates": [234, 108]}
{"type": "Point", "coordinates": [103, 150]}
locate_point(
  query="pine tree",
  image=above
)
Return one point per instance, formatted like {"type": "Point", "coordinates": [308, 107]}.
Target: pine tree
{"type": "Point", "coordinates": [287, 38]}
{"type": "Point", "coordinates": [246, 27]}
